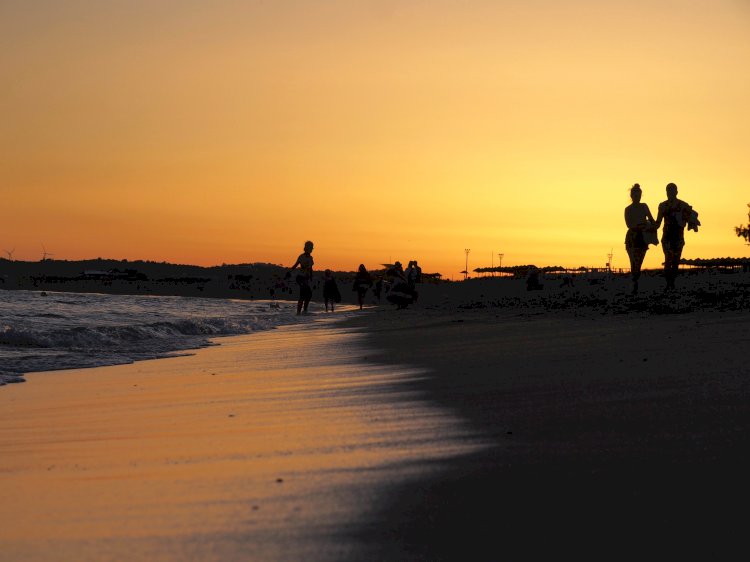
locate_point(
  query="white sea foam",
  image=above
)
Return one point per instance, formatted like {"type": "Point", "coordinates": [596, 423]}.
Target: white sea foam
{"type": "Point", "coordinates": [41, 332]}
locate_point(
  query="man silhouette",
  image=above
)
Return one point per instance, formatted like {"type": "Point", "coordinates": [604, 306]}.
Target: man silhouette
{"type": "Point", "coordinates": [676, 214]}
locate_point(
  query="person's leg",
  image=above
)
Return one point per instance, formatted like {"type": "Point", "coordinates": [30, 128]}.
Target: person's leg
{"type": "Point", "coordinates": [307, 297]}
{"type": "Point", "coordinates": [667, 261]}
{"type": "Point", "coordinates": [676, 255]}
{"type": "Point", "coordinates": [636, 261]}
{"type": "Point", "coordinates": [301, 298]}
{"type": "Point", "coordinates": [305, 294]}
{"type": "Point", "coordinates": [631, 257]}
{"type": "Point", "coordinates": [670, 257]}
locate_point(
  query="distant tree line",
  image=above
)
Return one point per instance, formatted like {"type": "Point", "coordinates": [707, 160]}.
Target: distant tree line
{"type": "Point", "coordinates": [520, 270]}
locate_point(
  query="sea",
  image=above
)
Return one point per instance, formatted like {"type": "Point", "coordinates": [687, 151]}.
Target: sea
{"type": "Point", "coordinates": [43, 331]}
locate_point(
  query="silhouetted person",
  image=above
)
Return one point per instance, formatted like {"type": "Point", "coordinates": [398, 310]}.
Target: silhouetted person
{"type": "Point", "coordinates": [567, 281]}
{"type": "Point", "coordinates": [418, 278]}
{"type": "Point", "coordinates": [412, 275]}
{"type": "Point", "coordinates": [532, 280]}
{"type": "Point", "coordinates": [362, 282]}
{"type": "Point", "coordinates": [676, 214]}
{"type": "Point", "coordinates": [304, 278]}
{"type": "Point", "coordinates": [400, 294]}
{"type": "Point", "coordinates": [331, 292]}
{"type": "Point", "coordinates": [378, 289]}
{"type": "Point", "coordinates": [640, 222]}
{"type": "Point", "coordinates": [418, 271]}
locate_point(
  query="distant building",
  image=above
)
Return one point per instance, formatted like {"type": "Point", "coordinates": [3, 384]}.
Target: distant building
{"type": "Point", "coordinates": [128, 274]}
{"type": "Point", "coordinates": [96, 274]}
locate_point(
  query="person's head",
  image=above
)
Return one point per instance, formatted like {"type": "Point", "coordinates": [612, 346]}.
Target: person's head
{"type": "Point", "coordinates": [328, 273]}
{"type": "Point", "coordinates": [397, 265]}
{"type": "Point", "coordinates": [362, 268]}
{"type": "Point", "coordinates": [635, 193]}
{"type": "Point", "coordinates": [308, 246]}
{"type": "Point", "coordinates": [671, 190]}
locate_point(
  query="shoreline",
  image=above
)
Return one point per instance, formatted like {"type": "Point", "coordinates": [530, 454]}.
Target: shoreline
{"type": "Point", "coordinates": [276, 445]}
{"type": "Point", "coordinates": [30, 342]}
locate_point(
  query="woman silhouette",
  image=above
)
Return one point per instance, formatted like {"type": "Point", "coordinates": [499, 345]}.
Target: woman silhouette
{"type": "Point", "coordinates": [640, 221]}
{"type": "Point", "coordinates": [304, 278]}
{"type": "Point", "coordinates": [362, 282]}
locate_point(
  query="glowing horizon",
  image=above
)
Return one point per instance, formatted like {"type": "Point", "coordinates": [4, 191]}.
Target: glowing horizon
{"type": "Point", "coordinates": [382, 131]}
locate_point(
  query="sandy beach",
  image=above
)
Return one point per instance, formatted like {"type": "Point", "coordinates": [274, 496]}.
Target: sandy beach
{"type": "Point", "coordinates": [483, 423]}
{"type": "Point", "coordinates": [278, 445]}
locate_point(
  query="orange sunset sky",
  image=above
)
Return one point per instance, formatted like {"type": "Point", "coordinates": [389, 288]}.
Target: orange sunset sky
{"type": "Point", "coordinates": [233, 131]}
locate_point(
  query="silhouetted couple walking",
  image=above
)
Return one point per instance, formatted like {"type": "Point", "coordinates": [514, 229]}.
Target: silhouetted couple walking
{"type": "Point", "coordinates": [642, 231]}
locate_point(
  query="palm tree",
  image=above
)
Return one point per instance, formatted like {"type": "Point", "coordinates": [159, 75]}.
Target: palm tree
{"type": "Point", "coordinates": [744, 231]}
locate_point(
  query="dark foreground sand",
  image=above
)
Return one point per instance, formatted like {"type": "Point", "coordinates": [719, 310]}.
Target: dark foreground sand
{"type": "Point", "coordinates": [620, 426]}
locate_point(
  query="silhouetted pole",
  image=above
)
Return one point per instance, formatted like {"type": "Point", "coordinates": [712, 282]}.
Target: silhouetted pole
{"type": "Point", "coordinates": [466, 269]}
{"type": "Point", "coordinates": [45, 253]}
{"type": "Point", "coordinates": [500, 263]}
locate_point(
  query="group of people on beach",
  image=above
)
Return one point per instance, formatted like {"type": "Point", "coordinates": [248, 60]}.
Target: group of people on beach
{"type": "Point", "coordinates": [642, 232]}
{"type": "Point", "coordinates": [402, 285]}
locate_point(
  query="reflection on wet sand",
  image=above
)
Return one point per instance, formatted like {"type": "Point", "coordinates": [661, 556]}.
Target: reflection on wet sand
{"type": "Point", "coordinates": [277, 445]}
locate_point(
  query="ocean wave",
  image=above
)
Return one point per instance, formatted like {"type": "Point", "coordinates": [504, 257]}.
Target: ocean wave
{"type": "Point", "coordinates": [107, 336]}
{"type": "Point", "coordinates": [49, 334]}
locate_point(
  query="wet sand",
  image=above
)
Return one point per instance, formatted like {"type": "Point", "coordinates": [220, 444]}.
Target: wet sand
{"type": "Point", "coordinates": [281, 445]}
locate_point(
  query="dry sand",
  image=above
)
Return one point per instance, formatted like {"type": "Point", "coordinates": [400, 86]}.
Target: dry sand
{"type": "Point", "coordinates": [620, 426]}
{"type": "Point", "coordinates": [484, 423]}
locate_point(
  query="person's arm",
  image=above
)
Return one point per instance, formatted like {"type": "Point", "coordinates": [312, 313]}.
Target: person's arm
{"type": "Point", "coordinates": [289, 273]}
{"type": "Point", "coordinates": [687, 211]}
{"type": "Point", "coordinates": [648, 218]}
{"type": "Point", "coordinates": [649, 215]}
{"type": "Point", "coordinates": [660, 215]}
